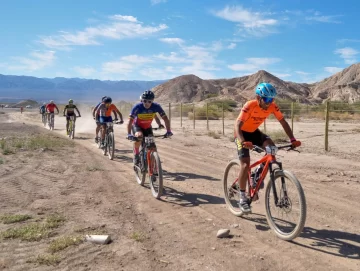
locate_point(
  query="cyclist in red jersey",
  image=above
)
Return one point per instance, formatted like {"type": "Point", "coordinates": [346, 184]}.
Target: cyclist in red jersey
{"type": "Point", "coordinates": [247, 134]}
{"type": "Point", "coordinates": [50, 109]}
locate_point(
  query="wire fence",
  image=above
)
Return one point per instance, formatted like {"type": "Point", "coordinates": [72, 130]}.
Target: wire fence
{"type": "Point", "coordinates": [219, 116]}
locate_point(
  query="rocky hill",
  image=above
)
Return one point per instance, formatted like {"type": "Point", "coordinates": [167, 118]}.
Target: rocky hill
{"type": "Point", "coordinates": [342, 86]}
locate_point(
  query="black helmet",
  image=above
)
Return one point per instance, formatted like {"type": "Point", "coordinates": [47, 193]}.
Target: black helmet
{"type": "Point", "coordinates": [147, 95]}
{"type": "Point", "coordinates": [107, 100]}
{"type": "Point", "coordinates": [102, 98]}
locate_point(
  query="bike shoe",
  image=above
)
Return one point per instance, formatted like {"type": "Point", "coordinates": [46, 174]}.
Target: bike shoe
{"type": "Point", "coordinates": [96, 140]}
{"type": "Point", "coordinates": [244, 206]}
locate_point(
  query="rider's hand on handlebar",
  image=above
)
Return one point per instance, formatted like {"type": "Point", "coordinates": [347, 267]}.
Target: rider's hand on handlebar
{"type": "Point", "coordinates": [247, 145]}
{"type": "Point", "coordinates": [130, 137]}
{"type": "Point", "coordinates": [295, 143]}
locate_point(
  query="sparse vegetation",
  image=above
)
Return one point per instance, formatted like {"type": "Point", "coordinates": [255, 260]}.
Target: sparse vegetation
{"type": "Point", "coordinates": [65, 242]}
{"type": "Point", "coordinates": [138, 236]}
{"type": "Point", "coordinates": [357, 130]}
{"type": "Point", "coordinates": [46, 259]}
{"type": "Point", "coordinates": [8, 219]}
{"type": "Point", "coordinates": [278, 136]}
{"type": "Point", "coordinates": [214, 135]}
{"type": "Point", "coordinates": [2, 161]}
{"type": "Point", "coordinates": [54, 221]}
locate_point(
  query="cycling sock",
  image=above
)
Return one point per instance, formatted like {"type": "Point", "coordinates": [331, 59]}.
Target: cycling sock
{"type": "Point", "coordinates": [242, 195]}
{"type": "Point", "coordinates": [136, 150]}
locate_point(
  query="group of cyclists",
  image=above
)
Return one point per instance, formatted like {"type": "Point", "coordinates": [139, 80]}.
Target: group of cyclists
{"type": "Point", "coordinates": [246, 128]}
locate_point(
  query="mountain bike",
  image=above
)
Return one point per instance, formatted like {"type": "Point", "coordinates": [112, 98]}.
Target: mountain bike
{"type": "Point", "coordinates": [109, 141]}
{"type": "Point", "coordinates": [71, 127]}
{"type": "Point", "coordinates": [284, 195]}
{"type": "Point", "coordinates": [150, 164]}
{"type": "Point", "coordinates": [51, 121]}
{"type": "Point", "coordinates": [44, 118]}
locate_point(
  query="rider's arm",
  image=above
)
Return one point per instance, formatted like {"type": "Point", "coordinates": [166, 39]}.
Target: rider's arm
{"type": "Point", "coordinates": [120, 115]}
{"type": "Point", "coordinates": [65, 108]}
{"type": "Point", "coordinates": [287, 128]}
{"type": "Point", "coordinates": [238, 133]}
{"type": "Point", "coordinates": [167, 123]}
{"type": "Point", "coordinates": [129, 125]}
{"type": "Point", "coordinates": [77, 110]}
{"type": "Point", "coordinates": [57, 108]}
{"type": "Point", "coordinates": [157, 120]}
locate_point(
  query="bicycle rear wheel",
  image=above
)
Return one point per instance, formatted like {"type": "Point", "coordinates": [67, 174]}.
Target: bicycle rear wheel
{"type": "Point", "coordinates": [156, 179]}
{"type": "Point", "coordinates": [231, 193]}
{"type": "Point", "coordinates": [105, 148]}
{"type": "Point", "coordinates": [287, 218]}
{"type": "Point", "coordinates": [111, 145]}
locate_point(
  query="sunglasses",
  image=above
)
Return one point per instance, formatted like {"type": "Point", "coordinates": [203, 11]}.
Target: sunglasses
{"type": "Point", "coordinates": [267, 100]}
{"type": "Point", "coordinates": [147, 101]}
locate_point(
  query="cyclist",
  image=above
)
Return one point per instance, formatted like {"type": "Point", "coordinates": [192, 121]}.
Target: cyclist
{"type": "Point", "coordinates": [50, 109]}
{"type": "Point", "coordinates": [42, 111]}
{"type": "Point", "coordinates": [104, 111]}
{"type": "Point", "coordinates": [252, 115]}
{"type": "Point", "coordinates": [70, 111]}
{"type": "Point", "coordinates": [140, 119]}
{"type": "Point", "coordinates": [96, 118]}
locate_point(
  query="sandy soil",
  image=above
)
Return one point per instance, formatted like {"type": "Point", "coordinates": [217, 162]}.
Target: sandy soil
{"type": "Point", "coordinates": [179, 231]}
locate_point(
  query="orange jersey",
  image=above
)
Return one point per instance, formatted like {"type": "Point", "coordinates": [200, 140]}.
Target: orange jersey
{"type": "Point", "coordinates": [253, 116]}
{"type": "Point", "coordinates": [111, 108]}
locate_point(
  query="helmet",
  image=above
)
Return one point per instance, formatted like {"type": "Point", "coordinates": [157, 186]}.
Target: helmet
{"type": "Point", "coordinates": [103, 97]}
{"type": "Point", "coordinates": [71, 101]}
{"type": "Point", "coordinates": [107, 100]}
{"type": "Point", "coordinates": [265, 90]}
{"type": "Point", "coordinates": [147, 95]}
{"type": "Point", "coordinates": [51, 101]}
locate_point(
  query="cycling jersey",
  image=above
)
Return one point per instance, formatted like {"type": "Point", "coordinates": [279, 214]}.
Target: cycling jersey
{"type": "Point", "coordinates": [51, 108]}
{"type": "Point", "coordinates": [42, 109]}
{"type": "Point", "coordinates": [70, 109]}
{"type": "Point", "coordinates": [143, 117]}
{"type": "Point", "coordinates": [253, 115]}
{"type": "Point", "coordinates": [107, 113]}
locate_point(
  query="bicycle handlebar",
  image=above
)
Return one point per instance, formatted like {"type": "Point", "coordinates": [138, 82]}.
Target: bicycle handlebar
{"type": "Point", "coordinates": [137, 139]}
{"type": "Point", "coordinates": [289, 147]}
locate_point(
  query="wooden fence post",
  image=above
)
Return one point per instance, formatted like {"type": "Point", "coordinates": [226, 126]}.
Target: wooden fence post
{"type": "Point", "coordinates": [292, 116]}
{"type": "Point", "coordinates": [170, 113]}
{"type": "Point", "coordinates": [181, 114]}
{"type": "Point", "coordinates": [207, 116]}
{"type": "Point", "coordinates": [327, 125]}
{"type": "Point", "coordinates": [194, 116]}
{"type": "Point", "coordinates": [223, 120]}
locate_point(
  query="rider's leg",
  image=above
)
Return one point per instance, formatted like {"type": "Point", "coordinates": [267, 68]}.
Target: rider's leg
{"type": "Point", "coordinates": [67, 123]}
{"type": "Point", "coordinates": [98, 126]}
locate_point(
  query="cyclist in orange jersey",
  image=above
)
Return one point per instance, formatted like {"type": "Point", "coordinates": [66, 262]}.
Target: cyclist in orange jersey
{"type": "Point", "coordinates": [247, 134]}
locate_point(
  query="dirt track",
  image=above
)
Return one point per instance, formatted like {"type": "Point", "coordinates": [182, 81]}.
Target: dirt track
{"type": "Point", "coordinates": [180, 230]}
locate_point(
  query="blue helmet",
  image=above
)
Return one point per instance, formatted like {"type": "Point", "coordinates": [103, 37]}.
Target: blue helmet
{"type": "Point", "coordinates": [265, 90]}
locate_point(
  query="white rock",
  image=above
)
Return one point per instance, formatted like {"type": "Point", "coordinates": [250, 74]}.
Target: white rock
{"type": "Point", "coordinates": [223, 233]}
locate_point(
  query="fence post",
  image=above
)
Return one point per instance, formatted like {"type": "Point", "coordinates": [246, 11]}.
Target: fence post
{"type": "Point", "coordinates": [170, 113]}
{"type": "Point", "coordinates": [223, 119]}
{"type": "Point", "coordinates": [207, 116]}
{"type": "Point", "coordinates": [292, 116]}
{"type": "Point", "coordinates": [194, 116]}
{"type": "Point", "coordinates": [327, 125]}
{"type": "Point", "coordinates": [181, 114]}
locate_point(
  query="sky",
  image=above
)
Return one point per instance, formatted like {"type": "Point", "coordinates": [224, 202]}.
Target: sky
{"type": "Point", "coordinates": [297, 40]}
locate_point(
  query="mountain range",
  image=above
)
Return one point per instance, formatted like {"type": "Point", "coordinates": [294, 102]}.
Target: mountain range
{"type": "Point", "coordinates": [342, 86]}
{"type": "Point", "coordinates": [61, 89]}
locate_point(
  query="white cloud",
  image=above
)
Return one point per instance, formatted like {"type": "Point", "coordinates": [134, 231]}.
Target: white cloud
{"type": "Point", "coordinates": [254, 64]}
{"type": "Point", "coordinates": [332, 69]}
{"type": "Point", "coordinates": [154, 73]}
{"type": "Point", "coordinates": [155, 2]}
{"type": "Point", "coordinates": [281, 75]}
{"type": "Point", "coordinates": [302, 73]}
{"type": "Point", "coordinates": [36, 61]}
{"type": "Point", "coordinates": [117, 67]}
{"type": "Point", "coordinates": [251, 22]}
{"type": "Point", "coordinates": [119, 27]}
{"type": "Point", "coordinates": [172, 40]}
{"type": "Point", "coordinates": [232, 45]}
{"type": "Point", "coordinates": [324, 19]}
{"type": "Point", "coordinates": [348, 54]}
{"type": "Point", "coordinates": [135, 59]}
{"type": "Point", "coordinates": [84, 71]}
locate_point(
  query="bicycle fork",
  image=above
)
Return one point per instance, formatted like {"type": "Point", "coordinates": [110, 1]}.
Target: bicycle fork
{"type": "Point", "coordinates": [283, 186]}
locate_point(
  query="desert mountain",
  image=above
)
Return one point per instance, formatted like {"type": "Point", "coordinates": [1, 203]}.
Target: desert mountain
{"type": "Point", "coordinates": [62, 89]}
{"type": "Point", "coordinates": [342, 86]}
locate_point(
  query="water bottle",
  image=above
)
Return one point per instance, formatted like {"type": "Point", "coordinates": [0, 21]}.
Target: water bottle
{"type": "Point", "coordinates": [255, 176]}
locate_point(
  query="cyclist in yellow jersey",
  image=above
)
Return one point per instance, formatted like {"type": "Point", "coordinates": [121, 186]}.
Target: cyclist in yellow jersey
{"type": "Point", "coordinates": [70, 111]}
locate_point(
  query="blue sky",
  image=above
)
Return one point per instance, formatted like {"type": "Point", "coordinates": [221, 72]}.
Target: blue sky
{"type": "Point", "coordinates": [302, 41]}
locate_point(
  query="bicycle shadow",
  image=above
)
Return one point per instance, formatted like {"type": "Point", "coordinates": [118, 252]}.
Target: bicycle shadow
{"type": "Point", "coordinates": [189, 199]}
{"type": "Point", "coordinates": [346, 244]}
{"type": "Point", "coordinates": [183, 176]}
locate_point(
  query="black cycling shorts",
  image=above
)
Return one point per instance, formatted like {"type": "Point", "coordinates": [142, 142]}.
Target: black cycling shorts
{"type": "Point", "coordinates": [70, 114]}
{"type": "Point", "coordinates": [145, 132]}
{"type": "Point", "coordinates": [257, 138]}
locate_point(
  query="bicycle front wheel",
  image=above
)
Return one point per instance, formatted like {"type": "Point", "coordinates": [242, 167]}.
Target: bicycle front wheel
{"type": "Point", "coordinates": [72, 130]}
{"type": "Point", "coordinates": [156, 179]}
{"type": "Point", "coordinates": [287, 217]}
{"type": "Point", "coordinates": [111, 145]}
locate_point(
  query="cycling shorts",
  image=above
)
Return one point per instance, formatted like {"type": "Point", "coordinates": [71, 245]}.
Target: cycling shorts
{"type": "Point", "coordinates": [104, 119]}
{"type": "Point", "coordinates": [145, 132]}
{"type": "Point", "coordinates": [256, 138]}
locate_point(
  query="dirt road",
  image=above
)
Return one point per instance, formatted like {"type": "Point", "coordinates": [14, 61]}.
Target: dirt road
{"type": "Point", "coordinates": [177, 232]}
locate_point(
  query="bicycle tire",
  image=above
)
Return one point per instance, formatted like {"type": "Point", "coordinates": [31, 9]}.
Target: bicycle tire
{"type": "Point", "coordinates": [111, 145]}
{"type": "Point", "coordinates": [155, 160]}
{"type": "Point", "coordinates": [140, 175]}
{"type": "Point", "coordinates": [301, 196]}
{"type": "Point", "coordinates": [104, 149]}
{"type": "Point", "coordinates": [231, 204]}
